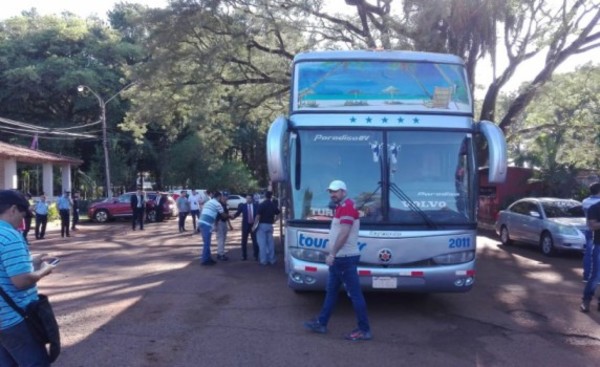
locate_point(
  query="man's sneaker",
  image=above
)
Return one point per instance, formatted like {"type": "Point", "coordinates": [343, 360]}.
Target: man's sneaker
{"type": "Point", "coordinates": [222, 257]}
{"type": "Point", "coordinates": [585, 306]}
{"type": "Point", "coordinates": [209, 262]}
{"type": "Point", "coordinates": [314, 326]}
{"type": "Point", "coordinates": [357, 334]}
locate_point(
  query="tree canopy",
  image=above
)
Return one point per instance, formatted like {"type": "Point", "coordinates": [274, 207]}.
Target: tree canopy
{"type": "Point", "coordinates": [211, 75]}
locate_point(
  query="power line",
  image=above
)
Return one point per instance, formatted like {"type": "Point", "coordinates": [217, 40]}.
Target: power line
{"type": "Point", "coordinates": [44, 131]}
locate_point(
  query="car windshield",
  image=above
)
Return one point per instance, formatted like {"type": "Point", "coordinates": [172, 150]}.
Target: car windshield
{"type": "Point", "coordinates": [563, 209]}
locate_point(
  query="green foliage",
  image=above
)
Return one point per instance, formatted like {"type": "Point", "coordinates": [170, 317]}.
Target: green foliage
{"type": "Point", "coordinates": [560, 128]}
{"type": "Point", "coordinates": [211, 76]}
{"type": "Point", "coordinates": [233, 177]}
{"type": "Point", "coordinates": [53, 212]}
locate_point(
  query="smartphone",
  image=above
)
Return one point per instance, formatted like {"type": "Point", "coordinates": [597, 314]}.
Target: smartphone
{"type": "Point", "coordinates": [54, 261]}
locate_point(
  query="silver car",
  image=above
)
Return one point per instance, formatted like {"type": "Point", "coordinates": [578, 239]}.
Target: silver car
{"type": "Point", "coordinates": [552, 224]}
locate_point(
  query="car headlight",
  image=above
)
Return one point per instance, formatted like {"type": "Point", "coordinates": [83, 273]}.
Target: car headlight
{"type": "Point", "coordinates": [454, 258]}
{"type": "Point", "coordinates": [315, 256]}
{"type": "Point", "coordinates": [567, 230]}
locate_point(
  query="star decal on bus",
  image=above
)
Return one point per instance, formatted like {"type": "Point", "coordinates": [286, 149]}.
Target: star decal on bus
{"type": "Point", "coordinates": [400, 120]}
{"type": "Point", "coordinates": [369, 120]}
{"type": "Point", "coordinates": [352, 119]}
{"type": "Point", "coordinates": [384, 120]}
{"type": "Point", "coordinates": [416, 120]}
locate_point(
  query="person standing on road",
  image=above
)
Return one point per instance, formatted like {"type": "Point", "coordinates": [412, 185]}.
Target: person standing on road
{"type": "Point", "coordinates": [267, 211]}
{"type": "Point", "coordinates": [589, 242]}
{"type": "Point", "coordinates": [75, 211]}
{"type": "Point", "coordinates": [593, 222]}
{"type": "Point", "coordinates": [18, 346]}
{"type": "Point", "coordinates": [41, 217]}
{"type": "Point", "coordinates": [183, 206]}
{"type": "Point", "coordinates": [248, 212]}
{"type": "Point", "coordinates": [161, 199]}
{"type": "Point", "coordinates": [28, 217]}
{"type": "Point", "coordinates": [342, 260]}
{"type": "Point", "coordinates": [222, 225]}
{"type": "Point", "coordinates": [210, 211]}
{"type": "Point", "coordinates": [64, 209]}
{"type": "Point", "coordinates": [138, 206]}
{"type": "Point", "coordinates": [195, 206]}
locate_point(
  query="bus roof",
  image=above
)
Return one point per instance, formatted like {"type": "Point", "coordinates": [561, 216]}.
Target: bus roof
{"type": "Point", "coordinates": [378, 55]}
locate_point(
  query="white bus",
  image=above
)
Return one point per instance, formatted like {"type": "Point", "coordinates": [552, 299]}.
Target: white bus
{"type": "Point", "coordinates": [398, 128]}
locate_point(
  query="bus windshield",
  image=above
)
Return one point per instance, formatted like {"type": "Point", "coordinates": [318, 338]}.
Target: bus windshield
{"type": "Point", "coordinates": [414, 178]}
{"type": "Point", "coordinates": [381, 85]}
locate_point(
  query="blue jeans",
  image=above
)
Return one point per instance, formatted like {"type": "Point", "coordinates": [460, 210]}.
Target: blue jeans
{"type": "Point", "coordinates": [587, 255]}
{"type": "Point", "coordinates": [18, 348]}
{"type": "Point", "coordinates": [206, 236]}
{"type": "Point", "coordinates": [344, 271]}
{"type": "Point", "coordinates": [590, 286]}
{"type": "Point", "coordinates": [266, 245]}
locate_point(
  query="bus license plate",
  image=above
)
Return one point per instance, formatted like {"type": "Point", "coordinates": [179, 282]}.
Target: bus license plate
{"type": "Point", "coordinates": [385, 282]}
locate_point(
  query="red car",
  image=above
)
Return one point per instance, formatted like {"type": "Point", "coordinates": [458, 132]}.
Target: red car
{"type": "Point", "coordinates": [120, 207]}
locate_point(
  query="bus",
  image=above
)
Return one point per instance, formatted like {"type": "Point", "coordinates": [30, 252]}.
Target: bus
{"type": "Point", "coordinates": [398, 128]}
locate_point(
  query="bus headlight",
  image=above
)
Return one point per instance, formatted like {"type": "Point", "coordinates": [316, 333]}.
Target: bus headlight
{"type": "Point", "coordinates": [314, 256]}
{"type": "Point", "coordinates": [454, 258]}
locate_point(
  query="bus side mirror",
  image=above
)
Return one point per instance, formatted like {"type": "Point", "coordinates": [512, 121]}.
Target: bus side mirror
{"type": "Point", "coordinates": [498, 161]}
{"type": "Point", "coordinates": [275, 150]}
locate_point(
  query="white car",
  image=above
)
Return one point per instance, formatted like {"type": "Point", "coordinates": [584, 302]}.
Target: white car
{"type": "Point", "coordinates": [233, 201]}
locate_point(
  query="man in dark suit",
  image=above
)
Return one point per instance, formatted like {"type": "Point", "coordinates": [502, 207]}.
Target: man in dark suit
{"type": "Point", "coordinates": [248, 211]}
{"type": "Point", "coordinates": [138, 204]}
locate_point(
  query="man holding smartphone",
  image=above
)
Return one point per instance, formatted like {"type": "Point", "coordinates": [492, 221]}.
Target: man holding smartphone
{"type": "Point", "coordinates": [18, 279]}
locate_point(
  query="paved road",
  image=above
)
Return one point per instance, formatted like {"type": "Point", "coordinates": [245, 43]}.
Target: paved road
{"type": "Point", "coordinates": [140, 298]}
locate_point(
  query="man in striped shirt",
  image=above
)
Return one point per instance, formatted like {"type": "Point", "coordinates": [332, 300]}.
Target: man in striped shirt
{"type": "Point", "coordinates": [210, 211]}
{"type": "Point", "coordinates": [18, 279]}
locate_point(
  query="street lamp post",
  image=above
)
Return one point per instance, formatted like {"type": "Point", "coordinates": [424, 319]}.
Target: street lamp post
{"type": "Point", "coordinates": [102, 104]}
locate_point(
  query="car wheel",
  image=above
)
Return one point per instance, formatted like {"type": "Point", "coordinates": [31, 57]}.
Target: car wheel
{"type": "Point", "coordinates": [151, 216]}
{"type": "Point", "coordinates": [505, 237]}
{"type": "Point", "coordinates": [101, 216]}
{"type": "Point", "coordinates": [547, 244]}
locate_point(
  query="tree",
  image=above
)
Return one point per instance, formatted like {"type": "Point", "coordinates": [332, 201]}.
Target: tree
{"type": "Point", "coordinates": [561, 129]}
{"type": "Point", "coordinates": [42, 61]}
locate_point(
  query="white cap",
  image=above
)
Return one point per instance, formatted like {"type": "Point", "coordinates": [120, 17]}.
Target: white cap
{"type": "Point", "coordinates": [336, 185]}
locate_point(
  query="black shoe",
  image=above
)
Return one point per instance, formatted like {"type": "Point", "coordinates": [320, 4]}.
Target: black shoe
{"type": "Point", "coordinates": [222, 257]}
{"type": "Point", "coordinates": [209, 262]}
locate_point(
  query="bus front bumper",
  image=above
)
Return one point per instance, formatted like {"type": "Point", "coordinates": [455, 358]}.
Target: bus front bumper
{"type": "Point", "coordinates": [308, 276]}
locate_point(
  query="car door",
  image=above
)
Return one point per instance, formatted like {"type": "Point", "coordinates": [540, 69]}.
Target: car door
{"type": "Point", "coordinates": [122, 207]}
{"type": "Point", "coordinates": [532, 223]}
{"type": "Point", "coordinates": [514, 220]}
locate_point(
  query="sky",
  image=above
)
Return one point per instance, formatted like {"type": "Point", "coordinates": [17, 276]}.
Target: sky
{"type": "Point", "coordinates": [100, 7]}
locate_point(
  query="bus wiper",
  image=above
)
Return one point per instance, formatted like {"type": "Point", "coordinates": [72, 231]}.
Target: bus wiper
{"type": "Point", "coordinates": [411, 204]}
{"type": "Point", "coordinates": [371, 195]}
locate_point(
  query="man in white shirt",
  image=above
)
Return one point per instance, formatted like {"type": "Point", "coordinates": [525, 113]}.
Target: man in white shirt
{"type": "Point", "coordinates": [210, 211]}
{"type": "Point", "coordinates": [195, 201]}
